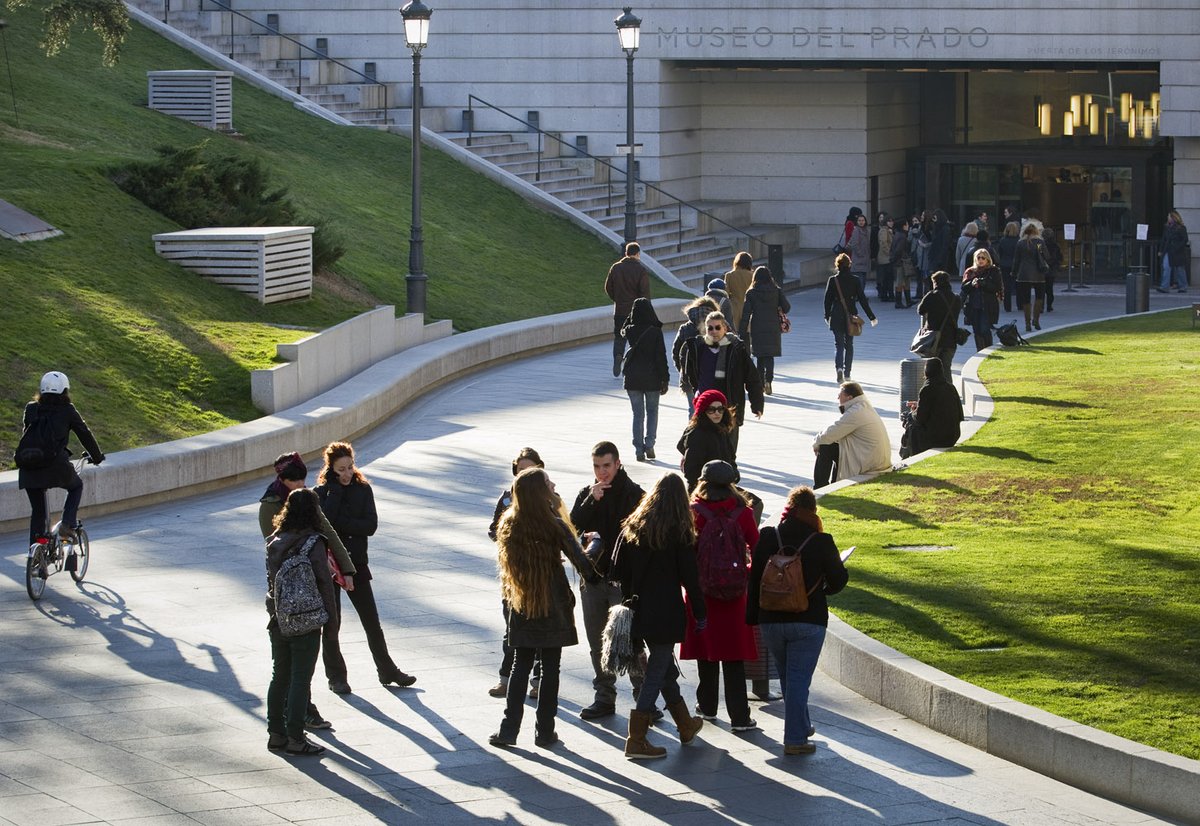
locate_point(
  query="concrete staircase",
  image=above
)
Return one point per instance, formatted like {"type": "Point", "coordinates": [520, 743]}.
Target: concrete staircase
{"type": "Point", "coordinates": [684, 240]}
{"type": "Point", "coordinates": [323, 82]}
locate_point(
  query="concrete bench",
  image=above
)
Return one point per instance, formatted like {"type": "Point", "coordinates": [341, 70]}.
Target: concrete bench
{"type": "Point", "coordinates": [270, 263]}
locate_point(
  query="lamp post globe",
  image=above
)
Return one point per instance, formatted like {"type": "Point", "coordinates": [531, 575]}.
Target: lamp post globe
{"type": "Point", "coordinates": [629, 32]}
{"type": "Point", "coordinates": [416, 35]}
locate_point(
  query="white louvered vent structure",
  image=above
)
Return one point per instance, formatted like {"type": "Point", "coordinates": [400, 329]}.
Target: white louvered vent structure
{"type": "Point", "coordinates": [270, 263]}
{"type": "Point", "coordinates": [202, 97]}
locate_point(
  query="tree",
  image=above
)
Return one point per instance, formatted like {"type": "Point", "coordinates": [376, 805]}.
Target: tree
{"type": "Point", "coordinates": [107, 18]}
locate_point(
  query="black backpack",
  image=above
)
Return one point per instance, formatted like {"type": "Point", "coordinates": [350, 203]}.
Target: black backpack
{"type": "Point", "coordinates": [38, 448]}
{"type": "Point", "coordinates": [1008, 335]}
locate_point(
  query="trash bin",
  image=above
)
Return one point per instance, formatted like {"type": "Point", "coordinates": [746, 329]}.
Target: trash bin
{"type": "Point", "coordinates": [1137, 292]}
{"type": "Point", "coordinates": [912, 376]}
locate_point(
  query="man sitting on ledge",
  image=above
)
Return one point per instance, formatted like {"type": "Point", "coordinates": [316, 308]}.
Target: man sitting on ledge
{"type": "Point", "coordinates": [856, 443]}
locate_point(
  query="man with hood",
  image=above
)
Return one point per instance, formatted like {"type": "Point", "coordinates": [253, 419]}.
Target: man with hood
{"type": "Point", "coordinates": [720, 360]}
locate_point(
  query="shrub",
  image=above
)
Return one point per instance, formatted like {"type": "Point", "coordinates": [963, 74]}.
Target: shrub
{"type": "Point", "coordinates": [197, 188]}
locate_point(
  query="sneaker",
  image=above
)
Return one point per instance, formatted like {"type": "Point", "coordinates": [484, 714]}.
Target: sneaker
{"type": "Point", "coordinates": [303, 747]}
{"type": "Point", "coordinates": [704, 715]}
{"type": "Point", "coordinates": [277, 742]}
{"type": "Point", "coordinates": [339, 687]}
{"type": "Point", "coordinates": [597, 710]}
{"type": "Point", "coordinates": [315, 722]}
{"type": "Point", "coordinates": [749, 725]}
{"type": "Point", "coordinates": [545, 741]}
{"type": "Point", "coordinates": [641, 457]}
{"type": "Point", "coordinates": [1182, 290]}
{"type": "Point", "coordinates": [500, 741]}
{"type": "Point", "coordinates": [807, 747]}
{"type": "Point", "coordinates": [500, 689]}
{"type": "Point", "coordinates": [650, 450]}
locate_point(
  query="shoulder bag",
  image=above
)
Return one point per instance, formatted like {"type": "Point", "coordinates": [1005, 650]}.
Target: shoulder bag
{"type": "Point", "coordinates": [854, 322]}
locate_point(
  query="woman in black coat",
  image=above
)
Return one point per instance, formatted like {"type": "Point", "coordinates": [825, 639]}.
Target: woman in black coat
{"type": "Point", "coordinates": [53, 402]}
{"type": "Point", "coordinates": [645, 371]}
{"type": "Point", "coordinates": [349, 504]}
{"type": "Point", "coordinates": [706, 438]}
{"type": "Point", "coordinates": [656, 555]}
{"type": "Point", "coordinates": [532, 537]}
{"type": "Point", "coordinates": [937, 413]}
{"type": "Point", "coordinates": [836, 316]}
{"type": "Point", "coordinates": [795, 639]}
{"type": "Point", "coordinates": [760, 318]}
{"type": "Point", "coordinates": [982, 285]}
{"type": "Point", "coordinates": [720, 360]}
{"type": "Point", "coordinates": [939, 310]}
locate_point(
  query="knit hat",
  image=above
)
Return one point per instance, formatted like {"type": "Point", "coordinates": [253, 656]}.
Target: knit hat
{"type": "Point", "coordinates": [293, 463]}
{"type": "Point", "coordinates": [707, 398]}
{"type": "Point", "coordinates": [718, 472]}
{"type": "Point", "coordinates": [717, 284]}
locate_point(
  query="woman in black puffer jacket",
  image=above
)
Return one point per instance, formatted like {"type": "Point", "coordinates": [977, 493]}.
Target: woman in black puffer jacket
{"type": "Point", "coordinates": [645, 372]}
{"type": "Point", "coordinates": [795, 638]}
{"type": "Point", "coordinates": [53, 402]}
{"type": "Point", "coordinates": [348, 502]}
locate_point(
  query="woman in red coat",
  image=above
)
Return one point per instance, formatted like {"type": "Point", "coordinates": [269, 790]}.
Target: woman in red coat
{"type": "Point", "coordinates": [727, 641]}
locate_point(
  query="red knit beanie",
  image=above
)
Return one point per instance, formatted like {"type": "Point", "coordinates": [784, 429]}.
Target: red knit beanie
{"type": "Point", "coordinates": [708, 398]}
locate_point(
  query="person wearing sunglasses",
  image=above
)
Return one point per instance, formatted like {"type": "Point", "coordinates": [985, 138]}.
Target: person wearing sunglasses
{"type": "Point", "coordinates": [706, 436]}
{"type": "Point", "coordinates": [719, 360]}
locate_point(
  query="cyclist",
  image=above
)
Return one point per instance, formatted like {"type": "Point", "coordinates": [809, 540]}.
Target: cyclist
{"type": "Point", "coordinates": [54, 401]}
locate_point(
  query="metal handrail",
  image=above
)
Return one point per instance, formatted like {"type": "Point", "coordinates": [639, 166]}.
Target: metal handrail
{"type": "Point", "coordinates": [679, 202]}
{"type": "Point", "coordinates": [299, 60]}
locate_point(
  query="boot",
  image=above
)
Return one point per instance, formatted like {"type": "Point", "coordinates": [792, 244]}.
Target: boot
{"type": "Point", "coordinates": [687, 724]}
{"type": "Point", "coordinates": [636, 745]}
{"type": "Point", "coordinates": [1028, 327]}
{"type": "Point", "coordinates": [1037, 315]}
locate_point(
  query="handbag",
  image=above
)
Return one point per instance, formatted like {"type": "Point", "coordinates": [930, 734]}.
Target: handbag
{"type": "Point", "coordinates": [785, 323]}
{"type": "Point", "coordinates": [925, 343]}
{"type": "Point", "coordinates": [854, 322]}
{"type": "Point", "coordinates": [782, 587]}
{"type": "Point", "coordinates": [962, 336]}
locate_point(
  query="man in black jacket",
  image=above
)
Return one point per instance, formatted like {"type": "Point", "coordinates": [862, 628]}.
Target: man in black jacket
{"type": "Point", "coordinates": [601, 507]}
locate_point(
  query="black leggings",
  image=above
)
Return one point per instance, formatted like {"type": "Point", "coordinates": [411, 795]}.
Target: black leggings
{"type": "Point", "coordinates": [1023, 290]}
{"type": "Point", "coordinates": [38, 512]}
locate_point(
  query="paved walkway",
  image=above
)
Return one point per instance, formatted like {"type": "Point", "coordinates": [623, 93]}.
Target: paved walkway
{"type": "Point", "coordinates": [138, 697]}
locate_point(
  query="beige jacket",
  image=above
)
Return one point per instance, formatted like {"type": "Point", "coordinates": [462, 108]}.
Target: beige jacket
{"type": "Point", "coordinates": [737, 281]}
{"type": "Point", "coordinates": [862, 440]}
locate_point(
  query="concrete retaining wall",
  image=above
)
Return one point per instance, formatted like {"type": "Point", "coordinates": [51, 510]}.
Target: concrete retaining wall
{"type": "Point", "coordinates": [184, 467]}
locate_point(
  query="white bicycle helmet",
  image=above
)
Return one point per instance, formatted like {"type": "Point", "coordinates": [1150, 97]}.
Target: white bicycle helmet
{"type": "Point", "coordinates": [55, 382]}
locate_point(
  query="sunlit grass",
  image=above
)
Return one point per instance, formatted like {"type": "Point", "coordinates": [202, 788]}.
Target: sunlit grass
{"type": "Point", "coordinates": [1072, 577]}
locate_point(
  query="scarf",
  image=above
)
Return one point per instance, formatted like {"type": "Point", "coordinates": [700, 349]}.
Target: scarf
{"type": "Point", "coordinates": [805, 517]}
{"type": "Point", "coordinates": [724, 342]}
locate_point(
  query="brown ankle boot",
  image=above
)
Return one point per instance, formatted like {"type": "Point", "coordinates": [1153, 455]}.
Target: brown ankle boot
{"type": "Point", "coordinates": [636, 745]}
{"type": "Point", "coordinates": [1037, 315]}
{"type": "Point", "coordinates": [687, 724]}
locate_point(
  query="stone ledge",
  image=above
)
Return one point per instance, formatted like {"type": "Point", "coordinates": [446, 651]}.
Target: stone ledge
{"type": "Point", "coordinates": [184, 467]}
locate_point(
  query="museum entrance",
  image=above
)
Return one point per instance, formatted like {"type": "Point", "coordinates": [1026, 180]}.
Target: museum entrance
{"type": "Point", "coordinates": [1104, 194]}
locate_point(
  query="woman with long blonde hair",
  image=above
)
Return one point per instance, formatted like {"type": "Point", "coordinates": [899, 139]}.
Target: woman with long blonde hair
{"type": "Point", "coordinates": [534, 534]}
{"type": "Point", "coordinates": [657, 555]}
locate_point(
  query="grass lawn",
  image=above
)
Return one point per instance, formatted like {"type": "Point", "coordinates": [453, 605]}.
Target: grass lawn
{"type": "Point", "coordinates": [155, 353]}
{"type": "Point", "coordinates": [1070, 578]}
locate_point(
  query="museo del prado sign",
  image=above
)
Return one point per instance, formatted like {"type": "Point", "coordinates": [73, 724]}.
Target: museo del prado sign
{"type": "Point", "coordinates": [823, 37]}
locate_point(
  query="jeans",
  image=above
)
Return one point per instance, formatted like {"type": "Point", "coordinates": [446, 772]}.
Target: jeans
{"type": "Point", "coordinates": [766, 368]}
{"type": "Point", "coordinates": [885, 276]}
{"type": "Point", "coordinates": [1172, 275]}
{"type": "Point", "coordinates": [797, 646]}
{"type": "Point", "coordinates": [295, 659]}
{"type": "Point", "coordinates": [38, 512]}
{"type": "Point", "coordinates": [645, 418]}
{"type": "Point", "coordinates": [981, 324]}
{"type": "Point", "coordinates": [737, 706]}
{"type": "Point", "coordinates": [547, 702]}
{"type": "Point", "coordinates": [662, 677]}
{"type": "Point", "coordinates": [843, 351]}
{"type": "Point", "coordinates": [363, 600]}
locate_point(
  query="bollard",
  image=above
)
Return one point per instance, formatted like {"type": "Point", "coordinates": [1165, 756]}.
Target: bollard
{"type": "Point", "coordinates": [1137, 291]}
{"type": "Point", "coordinates": [912, 376]}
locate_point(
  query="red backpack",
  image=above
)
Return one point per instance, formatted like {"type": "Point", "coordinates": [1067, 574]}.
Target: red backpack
{"type": "Point", "coordinates": [721, 553]}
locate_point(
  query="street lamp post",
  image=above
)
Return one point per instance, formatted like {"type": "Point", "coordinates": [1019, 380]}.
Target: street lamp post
{"type": "Point", "coordinates": [416, 34]}
{"type": "Point", "coordinates": [629, 32]}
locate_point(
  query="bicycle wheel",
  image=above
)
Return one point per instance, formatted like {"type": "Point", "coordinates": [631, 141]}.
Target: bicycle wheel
{"type": "Point", "coordinates": [35, 574]}
{"type": "Point", "coordinates": [82, 554]}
